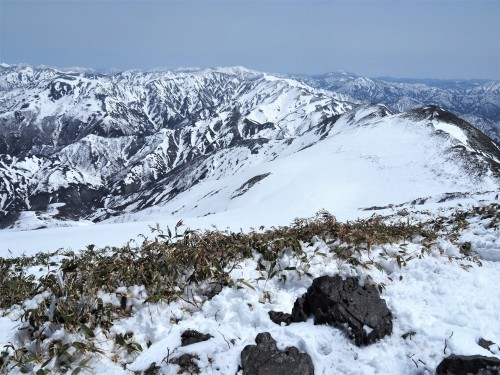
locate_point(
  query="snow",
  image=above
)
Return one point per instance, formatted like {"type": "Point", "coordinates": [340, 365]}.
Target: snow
{"type": "Point", "coordinates": [426, 301]}
{"type": "Point", "coordinates": [453, 130]}
{"type": "Point", "coordinates": [448, 304]}
{"type": "Point", "coordinates": [358, 165]}
{"type": "Point", "coordinates": [353, 168]}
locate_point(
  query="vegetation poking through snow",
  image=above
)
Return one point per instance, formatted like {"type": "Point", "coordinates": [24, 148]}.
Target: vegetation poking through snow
{"type": "Point", "coordinates": [67, 302]}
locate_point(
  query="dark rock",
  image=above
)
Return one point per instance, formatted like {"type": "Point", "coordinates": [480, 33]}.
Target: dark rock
{"type": "Point", "coordinates": [152, 369]}
{"type": "Point", "coordinates": [212, 290]}
{"type": "Point", "coordinates": [186, 363]}
{"type": "Point", "coordinates": [279, 317]}
{"type": "Point", "coordinates": [486, 344]}
{"type": "Point", "coordinates": [409, 334]}
{"type": "Point", "coordinates": [265, 359]}
{"type": "Point", "coordinates": [338, 302]}
{"type": "Point", "coordinates": [469, 364]}
{"type": "Point", "coordinates": [192, 337]}
{"type": "Point", "coordinates": [300, 311]}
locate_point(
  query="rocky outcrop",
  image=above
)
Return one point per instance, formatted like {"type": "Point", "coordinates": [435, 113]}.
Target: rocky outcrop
{"type": "Point", "coordinates": [332, 300]}
{"type": "Point", "coordinates": [265, 359]}
{"type": "Point", "coordinates": [469, 364]}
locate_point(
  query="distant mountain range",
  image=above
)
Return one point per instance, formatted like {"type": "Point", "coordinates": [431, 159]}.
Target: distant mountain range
{"type": "Point", "coordinates": [476, 101]}
{"type": "Point", "coordinates": [79, 145]}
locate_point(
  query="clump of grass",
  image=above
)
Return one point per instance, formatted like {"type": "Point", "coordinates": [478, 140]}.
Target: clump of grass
{"type": "Point", "coordinates": [84, 293]}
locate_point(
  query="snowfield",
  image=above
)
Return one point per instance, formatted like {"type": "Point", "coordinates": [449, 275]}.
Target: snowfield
{"type": "Point", "coordinates": [443, 303]}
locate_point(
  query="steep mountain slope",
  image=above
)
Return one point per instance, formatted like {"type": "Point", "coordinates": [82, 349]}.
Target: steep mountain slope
{"type": "Point", "coordinates": [88, 140]}
{"type": "Point", "coordinates": [193, 143]}
{"type": "Point", "coordinates": [477, 101]}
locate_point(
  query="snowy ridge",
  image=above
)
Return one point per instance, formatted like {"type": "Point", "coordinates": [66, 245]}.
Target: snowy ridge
{"type": "Point", "coordinates": [477, 101]}
{"type": "Point", "coordinates": [368, 157]}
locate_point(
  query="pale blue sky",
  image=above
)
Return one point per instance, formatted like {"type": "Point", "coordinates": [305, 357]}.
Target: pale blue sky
{"type": "Point", "coordinates": [404, 38]}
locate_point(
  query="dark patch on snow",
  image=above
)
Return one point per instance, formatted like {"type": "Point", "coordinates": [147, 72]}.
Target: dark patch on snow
{"type": "Point", "coordinates": [279, 317]}
{"type": "Point", "coordinates": [408, 334]}
{"type": "Point", "coordinates": [326, 125]}
{"type": "Point", "coordinates": [192, 337]}
{"type": "Point", "coordinates": [420, 201]}
{"type": "Point", "coordinates": [307, 146]}
{"type": "Point", "coordinates": [153, 369]}
{"type": "Point", "coordinates": [469, 364]}
{"type": "Point", "coordinates": [247, 185]}
{"type": "Point", "coordinates": [187, 363]}
{"type": "Point", "coordinates": [58, 89]}
{"type": "Point", "coordinates": [452, 196]}
{"type": "Point", "coordinates": [487, 344]}
{"type": "Point", "coordinates": [265, 359]}
{"type": "Point", "coordinates": [251, 128]}
{"type": "Point", "coordinates": [7, 219]}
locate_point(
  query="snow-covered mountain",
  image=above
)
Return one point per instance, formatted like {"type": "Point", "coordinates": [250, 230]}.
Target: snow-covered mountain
{"type": "Point", "coordinates": [77, 145]}
{"type": "Point", "coordinates": [477, 101]}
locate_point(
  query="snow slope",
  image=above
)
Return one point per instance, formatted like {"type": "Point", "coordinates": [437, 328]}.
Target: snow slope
{"type": "Point", "coordinates": [108, 141]}
{"type": "Point", "coordinates": [363, 161]}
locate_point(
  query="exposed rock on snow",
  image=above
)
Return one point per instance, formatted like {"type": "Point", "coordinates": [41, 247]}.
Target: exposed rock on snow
{"type": "Point", "coordinates": [265, 359]}
{"type": "Point", "coordinates": [279, 317]}
{"type": "Point", "coordinates": [335, 301]}
{"type": "Point", "coordinates": [469, 364]}
{"type": "Point", "coordinates": [152, 370]}
{"type": "Point", "coordinates": [192, 337]}
{"type": "Point", "coordinates": [186, 363]}
{"type": "Point", "coordinates": [488, 345]}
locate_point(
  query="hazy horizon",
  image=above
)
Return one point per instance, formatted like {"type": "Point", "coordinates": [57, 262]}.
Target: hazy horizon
{"type": "Point", "coordinates": [414, 39]}
{"type": "Point", "coordinates": [110, 71]}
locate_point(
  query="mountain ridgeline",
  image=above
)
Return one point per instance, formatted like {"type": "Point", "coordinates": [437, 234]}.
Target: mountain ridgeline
{"type": "Point", "coordinates": [94, 146]}
{"type": "Point", "coordinates": [476, 101]}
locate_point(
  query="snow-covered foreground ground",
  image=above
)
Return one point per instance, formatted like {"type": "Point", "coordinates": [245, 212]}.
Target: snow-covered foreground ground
{"type": "Point", "coordinates": [448, 302]}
